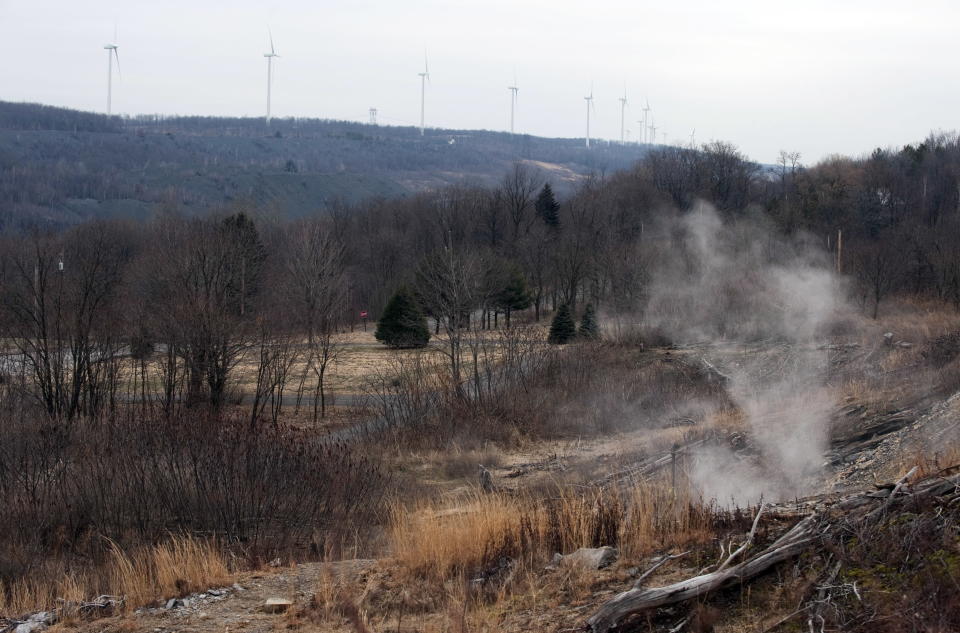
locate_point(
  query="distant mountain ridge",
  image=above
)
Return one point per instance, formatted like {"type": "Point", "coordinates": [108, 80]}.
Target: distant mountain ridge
{"type": "Point", "coordinates": [60, 166]}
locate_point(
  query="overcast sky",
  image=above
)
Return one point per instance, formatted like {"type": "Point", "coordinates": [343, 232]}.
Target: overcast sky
{"type": "Point", "coordinates": [816, 77]}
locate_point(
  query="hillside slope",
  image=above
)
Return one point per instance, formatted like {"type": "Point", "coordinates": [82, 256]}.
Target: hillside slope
{"type": "Point", "coordinates": [58, 166]}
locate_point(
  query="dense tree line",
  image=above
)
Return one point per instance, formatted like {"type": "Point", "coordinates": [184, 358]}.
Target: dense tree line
{"type": "Point", "coordinates": [201, 291]}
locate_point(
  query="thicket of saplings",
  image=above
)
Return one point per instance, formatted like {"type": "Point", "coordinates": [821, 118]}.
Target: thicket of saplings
{"type": "Point", "coordinates": [123, 342]}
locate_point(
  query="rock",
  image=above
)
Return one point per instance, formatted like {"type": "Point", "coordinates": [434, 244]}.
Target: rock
{"type": "Point", "coordinates": [43, 616]}
{"type": "Point", "coordinates": [276, 562]}
{"type": "Point", "coordinates": [172, 603]}
{"type": "Point", "coordinates": [216, 592]}
{"type": "Point", "coordinates": [905, 344]}
{"type": "Point", "coordinates": [633, 572]}
{"type": "Point", "coordinates": [888, 338]}
{"type": "Point", "coordinates": [276, 605]}
{"type": "Point", "coordinates": [592, 557]}
{"type": "Point", "coordinates": [238, 587]}
{"type": "Point", "coordinates": [30, 627]}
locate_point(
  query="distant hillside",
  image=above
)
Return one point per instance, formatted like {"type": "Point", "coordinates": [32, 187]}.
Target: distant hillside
{"type": "Point", "coordinates": [60, 166]}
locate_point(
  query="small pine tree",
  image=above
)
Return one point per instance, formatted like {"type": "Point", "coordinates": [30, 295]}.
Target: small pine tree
{"type": "Point", "coordinates": [402, 323]}
{"type": "Point", "coordinates": [514, 295]}
{"type": "Point", "coordinates": [563, 329]}
{"type": "Point", "coordinates": [547, 207]}
{"type": "Point", "coordinates": [588, 326]}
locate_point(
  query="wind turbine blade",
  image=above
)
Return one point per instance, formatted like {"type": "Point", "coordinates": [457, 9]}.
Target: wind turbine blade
{"type": "Point", "coordinates": [116, 56]}
{"type": "Point", "coordinates": [270, 33]}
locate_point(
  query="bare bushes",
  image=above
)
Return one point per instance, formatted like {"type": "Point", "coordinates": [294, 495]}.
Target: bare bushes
{"type": "Point", "coordinates": [589, 388]}
{"type": "Point", "coordinates": [517, 387]}
{"type": "Point", "coordinates": [137, 478]}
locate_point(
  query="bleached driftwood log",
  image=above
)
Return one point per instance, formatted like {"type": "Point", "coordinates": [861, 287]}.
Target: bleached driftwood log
{"type": "Point", "coordinates": [629, 602]}
{"type": "Point", "coordinates": [858, 508]}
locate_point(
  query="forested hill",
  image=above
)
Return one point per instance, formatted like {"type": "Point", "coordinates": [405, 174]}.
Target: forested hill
{"type": "Point", "coordinates": [60, 166]}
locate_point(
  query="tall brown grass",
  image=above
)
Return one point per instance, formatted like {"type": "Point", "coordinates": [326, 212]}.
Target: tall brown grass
{"type": "Point", "coordinates": [438, 542]}
{"type": "Point", "coordinates": [177, 567]}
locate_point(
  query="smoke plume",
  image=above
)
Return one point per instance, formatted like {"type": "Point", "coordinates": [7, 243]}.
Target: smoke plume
{"type": "Point", "coordinates": [752, 303]}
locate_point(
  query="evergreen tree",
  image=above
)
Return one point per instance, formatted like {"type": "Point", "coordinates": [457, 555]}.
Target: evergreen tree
{"type": "Point", "coordinates": [402, 323]}
{"type": "Point", "coordinates": [563, 328]}
{"type": "Point", "coordinates": [247, 254]}
{"type": "Point", "coordinates": [514, 295]}
{"type": "Point", "coordinates": [588, 326]}
{"type": "Point", "coordinates": [547, 207]}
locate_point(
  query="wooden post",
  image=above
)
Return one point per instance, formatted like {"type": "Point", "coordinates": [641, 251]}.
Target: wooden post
{"type": "Point", "coordinates": [673, 467]}
{"type": "Point", "coordinates": [839, 251]}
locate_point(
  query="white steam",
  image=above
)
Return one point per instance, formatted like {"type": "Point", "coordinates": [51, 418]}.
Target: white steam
{"type": "Point", "coordinates": [759, 301]}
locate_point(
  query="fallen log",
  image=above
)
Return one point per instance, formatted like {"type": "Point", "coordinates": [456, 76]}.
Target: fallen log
{"type": "Point", "coordinates": [853, 509]}
{"type": "Point", "coordinates": [613, 612]}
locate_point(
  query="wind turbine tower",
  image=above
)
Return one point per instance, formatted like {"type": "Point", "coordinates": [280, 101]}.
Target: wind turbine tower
{"type": "Point", "coordinates": [373, 116]}
{"type": "Point", "coordinates": [646, 129]}
{"type": "Point", "coordinates": [111, 54]}
{"type": "Point", "coordinates": [653, 134]}
{"type": "Point", "coordinates": [514, 89]}
{"type": "Point", "coordinates": [589, 100]}
{"type": "Point", "coordinates": [623, 111]}
{"type": "Point", "coordinates": [424, 76]}
{"type": "Point", "coordinates": [270, 56]}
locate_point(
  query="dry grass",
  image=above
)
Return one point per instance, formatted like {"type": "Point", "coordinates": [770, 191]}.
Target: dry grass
{"type": "Point", "coordinates": [175, 568]}
{"type": "Point", "coordinates": [437, 542]}
{"type": "Point", "coordinates": [180, 566]}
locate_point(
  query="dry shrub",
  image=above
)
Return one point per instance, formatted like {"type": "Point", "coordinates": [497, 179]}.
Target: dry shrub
{"type": "Point", "coordinates": [459, 462]}
{"type": "Point", "coordinates": [178, 567]}
{"type": "Point", "coordinates": [438, 543]}
{"type": "Point", "coordinates": [269, 489]}
{"type": "Point", "coordinates": [181, 565]}
{"type": "Point", "coordinates": [906, 570]}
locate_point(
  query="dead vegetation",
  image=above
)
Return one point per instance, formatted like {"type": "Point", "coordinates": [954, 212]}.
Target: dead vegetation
{"type": "Point", "coordinates": [457, 559]}
{"type": "Point", "coordinates": [129, 578]}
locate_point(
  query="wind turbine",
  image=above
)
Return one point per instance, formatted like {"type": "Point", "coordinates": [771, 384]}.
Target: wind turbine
{"type": "Point", "coordinates": [646, 129]}
{"type": "Point", "coordinates": [424, 77]}
{"type": "Point", "coordinates": [270, 56]}
{"type": "Point", "coordinates": [623, 110]}
{"type": "Point", "coordinates": [589, 101]}
{"type": "Point", "coordinates": [513, 99]}
{"type": "Point", "coordinates": [653, 134]}
{"type": "Point", "coordinates": [111, 54]}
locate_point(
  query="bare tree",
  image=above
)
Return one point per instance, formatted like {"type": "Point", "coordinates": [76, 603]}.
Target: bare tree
{"type": "Point", "coordinates": [202, 276]}
{"type": "Point", "coordinates": [315, 289]}
{"type": "Point", "coordinates": [60, 304]}
{"type": "Point", "coordinates": [879, 270]}
{"type": "Point", "coordinates": [449, 286]}
{"type": "Point", "coordinates": [518, 191]}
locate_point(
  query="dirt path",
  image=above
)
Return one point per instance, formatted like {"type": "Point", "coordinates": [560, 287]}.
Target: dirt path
{"type": "Point", "coordinates": [231, 609]}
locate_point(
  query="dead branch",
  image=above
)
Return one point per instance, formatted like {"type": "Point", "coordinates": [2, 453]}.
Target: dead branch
{"type": "Point", "coordinates": [747, 543]}
{"type": "Point", "coordinates": [900, 483]}
{"type": "Point", "coordinates": [661, 562]}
